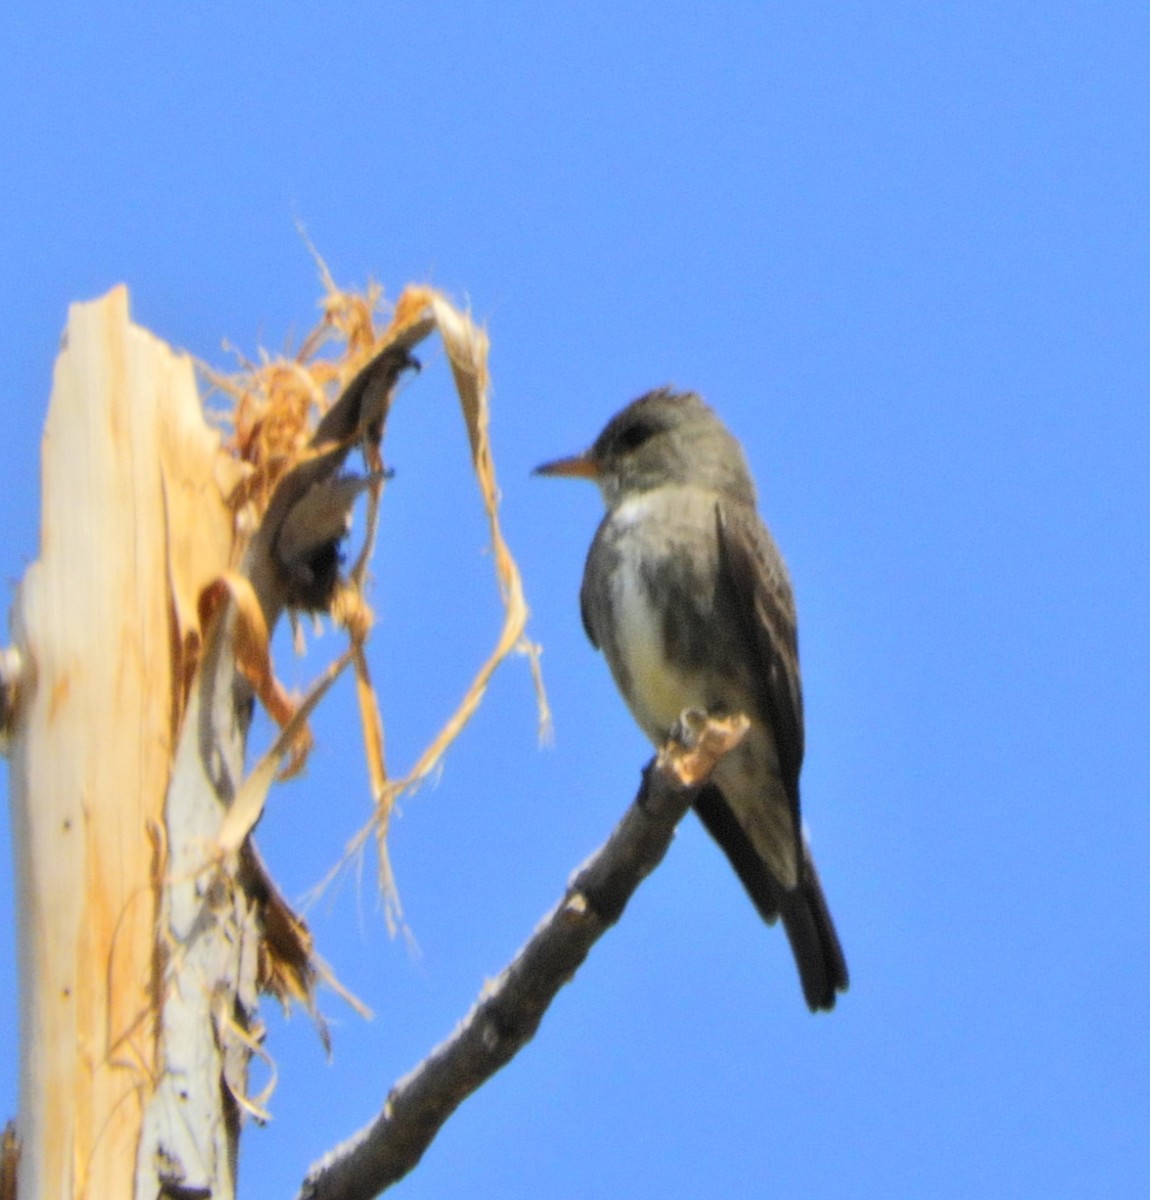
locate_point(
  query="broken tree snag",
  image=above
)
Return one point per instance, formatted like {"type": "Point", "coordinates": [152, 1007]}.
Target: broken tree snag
{"type": "Point", "coordinates": [508, 1012]}
{"type": "Point", "coordinates": [148, 924]}
{"type": "Point", "coordinates": [97, 625]}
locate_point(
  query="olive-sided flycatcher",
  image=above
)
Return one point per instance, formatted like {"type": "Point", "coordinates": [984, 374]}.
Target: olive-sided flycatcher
{"type": "Point", "coordinates": [687, 596]}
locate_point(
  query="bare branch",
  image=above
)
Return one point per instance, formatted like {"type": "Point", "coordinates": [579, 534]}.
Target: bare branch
{"type": "Point", "coordinates": [510, 1008]}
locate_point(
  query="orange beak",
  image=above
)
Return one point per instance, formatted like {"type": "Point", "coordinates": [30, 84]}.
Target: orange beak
{"type": "Point", "coordinates": [578, 466]}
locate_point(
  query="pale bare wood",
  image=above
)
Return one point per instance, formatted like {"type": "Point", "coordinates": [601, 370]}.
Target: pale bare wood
{"type": "Point", "coordinates": [145, 935]}
{"type": "Point", "coordinates": [125, 446]}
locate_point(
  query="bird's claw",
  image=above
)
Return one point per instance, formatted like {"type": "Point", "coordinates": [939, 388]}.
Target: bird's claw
{"type": "Point", "coordinates": [697, 743]}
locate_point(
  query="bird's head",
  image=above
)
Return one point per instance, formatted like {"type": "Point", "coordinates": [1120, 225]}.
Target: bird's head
{"type": "Point", "coordinates": [663, 438]}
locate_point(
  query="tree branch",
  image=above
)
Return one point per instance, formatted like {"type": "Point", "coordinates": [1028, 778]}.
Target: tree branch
{"type": "Point", "coordinates": [510, 1008]}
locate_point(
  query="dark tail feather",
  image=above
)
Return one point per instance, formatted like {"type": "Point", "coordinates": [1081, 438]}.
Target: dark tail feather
{"type": "Point", "coordinates": [814, 942]}
{"type": "Point", "coordinates": [806, 918]}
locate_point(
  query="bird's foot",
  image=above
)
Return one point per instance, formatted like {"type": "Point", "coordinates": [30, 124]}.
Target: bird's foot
{"type": "Point", "coordinates": [697, 743]}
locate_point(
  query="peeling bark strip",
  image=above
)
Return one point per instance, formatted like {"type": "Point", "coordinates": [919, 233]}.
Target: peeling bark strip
{"type": "Point", "coordinates": [212, 921]}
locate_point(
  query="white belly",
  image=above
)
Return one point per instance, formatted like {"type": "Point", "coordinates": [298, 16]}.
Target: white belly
{"type": "Point", "coordinates": [659, 693]}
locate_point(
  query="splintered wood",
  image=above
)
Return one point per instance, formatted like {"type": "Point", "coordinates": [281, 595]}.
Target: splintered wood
{"type": "Point", "coordinates": [134, 524]}
{"type": "Point", "coordinates": [466, 347]}
{"type": "Point", "coordinates": [148, 923]}
{"type": "Point", "coordinates": [272, 435]}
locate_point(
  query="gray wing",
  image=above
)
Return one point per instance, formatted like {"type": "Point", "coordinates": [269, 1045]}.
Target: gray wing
{"type": "Point", "coordinates": [584, 613]}
{"type": "Point", "coordinates": [601, 549]}
{"type": "Point", "coordinates": [756, 580]}
{"type": "Point", "coordinates": [754, 576]}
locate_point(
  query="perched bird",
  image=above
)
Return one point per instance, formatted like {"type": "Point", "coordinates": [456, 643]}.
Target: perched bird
{"type": "Point", "coordinates": [687, 596]}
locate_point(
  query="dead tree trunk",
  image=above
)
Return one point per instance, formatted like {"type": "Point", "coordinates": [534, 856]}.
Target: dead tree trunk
{"type": "Point", "coordinates": [134, 524]}
{"type": "Point", "coordinates": [147, 925]}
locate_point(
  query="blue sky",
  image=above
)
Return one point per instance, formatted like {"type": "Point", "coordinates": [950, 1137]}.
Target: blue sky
{"type": "Point", "coordinates": [905, 251]}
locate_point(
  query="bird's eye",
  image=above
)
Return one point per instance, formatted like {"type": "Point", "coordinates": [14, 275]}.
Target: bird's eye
{"type": "Point", "coordinates": [635, 435]}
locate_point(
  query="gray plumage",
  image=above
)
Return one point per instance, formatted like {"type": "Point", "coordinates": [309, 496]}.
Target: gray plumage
{"type": "Point", "coordinates": [688, 597]}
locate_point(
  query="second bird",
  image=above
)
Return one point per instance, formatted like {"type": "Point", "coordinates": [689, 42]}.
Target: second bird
{"type": "Point", "coordinates": [687, 596]}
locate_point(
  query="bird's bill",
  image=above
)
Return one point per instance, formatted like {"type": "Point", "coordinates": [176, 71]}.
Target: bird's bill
{"type": "Point", "coordinates": [578, 466]}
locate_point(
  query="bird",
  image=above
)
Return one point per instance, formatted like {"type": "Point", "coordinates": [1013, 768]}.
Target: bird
{"type": "Point", "coordinates": [687, 596]}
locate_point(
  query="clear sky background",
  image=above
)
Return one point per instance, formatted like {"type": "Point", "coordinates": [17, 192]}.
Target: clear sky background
{"type": "Point", "coordinates": [904, 249]}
